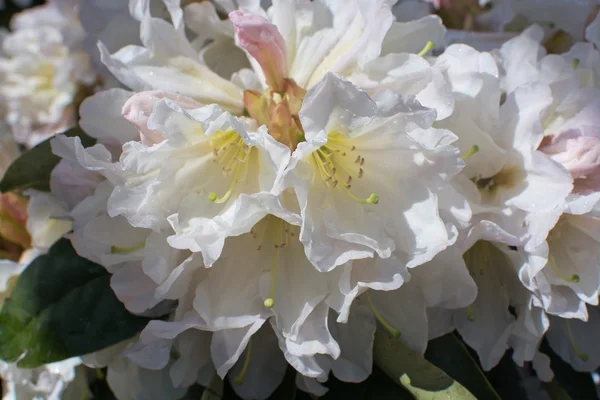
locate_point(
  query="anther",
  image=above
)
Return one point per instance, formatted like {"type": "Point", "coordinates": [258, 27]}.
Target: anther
{"type": "Point", "coordinates": [362, 161]}
{"type": "Point", "coordinates": [575, 63]}
{"type": "Point", "coordinates": [360, 173]}
{"type": "Point", "coordinates": [357, 161]}
{"type": "Point", "coordinates": [472, 151]}
{"type": "Point", "coordinates": [426, 49]}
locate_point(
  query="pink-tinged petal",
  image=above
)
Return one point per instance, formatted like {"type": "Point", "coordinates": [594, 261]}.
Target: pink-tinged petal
{"type": "Point", "coordinates": [580, 155]}
{"type": "Point", "coordinates": [138, 108]}
{"type": "Point", "coordinates": [263, 41]}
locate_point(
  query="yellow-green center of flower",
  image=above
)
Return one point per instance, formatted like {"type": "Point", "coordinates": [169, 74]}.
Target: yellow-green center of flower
{"type": "Point", "coordinates": [339, 164]}
{"type": "Point", "coordinates": [232, 154]}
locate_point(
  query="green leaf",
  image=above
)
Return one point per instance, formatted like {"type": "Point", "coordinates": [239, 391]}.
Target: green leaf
{"type": "Point", "coordinates": [506, 379]}
{"type": "Point", "coordinates": [424, 380]}
{"type": "Point", "coordinates": [452, 356]}
{"type": "Point", "coordinates": [556, 391]}
{"type": "Point", "coordinates": [376, 387]}
{"type": "Point", "coordinates": [62, 306]}
{"type": "Point", "coordinates": [578, 385]}
{"type": "Point", "coordinates": [32, 169]}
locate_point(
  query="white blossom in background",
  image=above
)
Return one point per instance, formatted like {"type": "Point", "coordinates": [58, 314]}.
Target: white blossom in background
{"type": "Point", "coordinates": [42, 69]}
{"type": "Point", "coordinates": [568, 284]}
{"type": "Point", "coordinates": [516, 194]}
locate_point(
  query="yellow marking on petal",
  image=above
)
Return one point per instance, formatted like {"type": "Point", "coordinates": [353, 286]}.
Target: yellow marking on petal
{"type": "Point", "coordinates": [472, 151]}
{"type": "Point", "coordinates": [335, 167]}
{"type": "Point", "coordinates": [426, 49]}
{"type": "Point", "coordinates": [240, 378]}
{"type": "Point", "coordinates": [232, 154]}
{"type": "Point", "coordinates": [582, 356]}
{"type": "Point", "coordinates": [126, 250]}
{"type": "Point", "coordinates": [393, 331]}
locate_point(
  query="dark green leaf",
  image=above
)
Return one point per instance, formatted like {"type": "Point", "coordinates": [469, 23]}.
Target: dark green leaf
{"type": "Point", "coordinates": [194, 392]}
{"type": "Point", "coordinates": [32, 169]}
{"type": "Point", "coordinates": [62, 306]}
{"type": "Point", "coordinates": [99, 386]}
{"type": "Point", "coordinates": [376, 387]}
{"type": "Point", "coordinates": [556, 391]}
{"type": "Point", "coordinates": [424, 380]}
{"type": "Point", "coordinates": [578, 385]}
{"type": "Point", "coordinates": [451, 355]}
{"type": "Point", "coordinates": [506, 379]}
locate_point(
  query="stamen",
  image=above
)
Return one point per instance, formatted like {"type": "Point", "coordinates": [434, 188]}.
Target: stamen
{"type": "Point", "coordinates": [472, 151]}
{"type": "Point", "coordinates": [393, 331]}
{"type": "Point", "coordinates": [582, 356]}
{"type": "Point", "coordinates": [240, 378]}
{"type": "Point", "coordinates": [575, 63]}
{"type": "Point", "coordinates": [237, 162]}
{"type": "Point", "coordinates": [126, 250]}
{"type": "Point", "coordinates": [426, 49]}
{"type": "Point", "coordinates": [270, 301]}
{"type": "Point", "coordinates": [324, 160]}
{"type": "Point", "coordinates": [573, 278]}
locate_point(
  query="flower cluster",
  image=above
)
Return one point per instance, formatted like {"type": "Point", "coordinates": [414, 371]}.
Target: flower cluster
{"type": "Point", "coordinates": [43, 69]}
{"type": "Point", "coordinates": [285, 179]}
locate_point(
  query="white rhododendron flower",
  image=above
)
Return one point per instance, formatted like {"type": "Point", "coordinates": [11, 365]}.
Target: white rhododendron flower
{"type": "Point", "coordinates": [570, 278]}
{"type": "Point", "coordinates": [43, 68]}
{"type": "Point", "coordinates": [516, 193]}
{"type": "Point", "coordinates": [270, 183]}
{"type": "Point", "coordinates": [48, 382]}
{"type": "Point", "coordinates": [350, 180]}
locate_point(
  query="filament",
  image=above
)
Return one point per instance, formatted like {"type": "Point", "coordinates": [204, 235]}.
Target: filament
{"type": "Point", "coordinates": [470, 153]}
{"type": "Point", "coordinates": [393, 331]}
{"type": "Point", "coordinates": [426, 49]}
{"type": "Point", "coordinates": [582, 356]}
{"type": "Point", "coordinates": [240, 378]}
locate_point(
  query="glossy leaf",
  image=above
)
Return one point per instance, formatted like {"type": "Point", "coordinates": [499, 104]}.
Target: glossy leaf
{"type": "Point", "coordinates": [423, 379]}
{"type": "Point", "coordinates": [32, 169]}
{"type": "Point", "coordinates": [62, 306]}
{"type": "Point", "coordinates": [506, 379]}
{"type": "Point", "coordinates": [377, 386]}
{"type": "Point", "coordinates": [452, 356]}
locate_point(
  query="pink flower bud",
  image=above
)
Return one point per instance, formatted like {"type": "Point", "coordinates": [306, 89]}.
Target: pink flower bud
{"type": "Point", "coordinates": [263, 41]}
{"type": "Point", "coordinates": [578, 154]}
{"type": "Point", "coordinates": [138, 108]}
